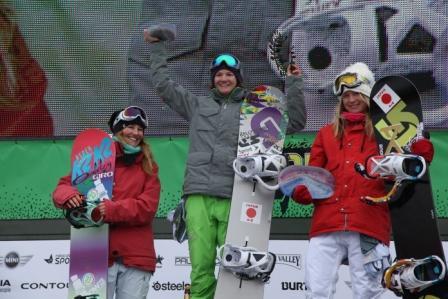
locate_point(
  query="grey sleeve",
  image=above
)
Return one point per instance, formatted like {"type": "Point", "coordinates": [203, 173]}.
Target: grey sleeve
{"type": "Point", "coordinates": [174, 95]}
{"type": "Point", "coordinates": [296, 104]}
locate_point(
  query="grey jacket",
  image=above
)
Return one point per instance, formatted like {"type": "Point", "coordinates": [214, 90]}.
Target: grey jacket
{"type": "Point", "coordinates": [214, 126]}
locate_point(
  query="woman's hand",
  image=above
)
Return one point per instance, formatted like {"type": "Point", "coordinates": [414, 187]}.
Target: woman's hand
{"type": "Point", "coordinates": [74, 202]}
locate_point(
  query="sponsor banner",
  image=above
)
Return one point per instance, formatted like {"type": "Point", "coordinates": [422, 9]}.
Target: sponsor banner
{"type": "Point", "coordinates": [34, 269]}
{"type": "Point", "coordinates": [39, 270]}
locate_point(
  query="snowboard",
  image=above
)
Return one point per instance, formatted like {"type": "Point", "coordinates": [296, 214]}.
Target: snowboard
{"type": "Point", "coordinates": [263, 122]}
{"type": "Point", "coordinates": [92, 169]}
{"type": "Point", "coordinates": [319, 181]}
{"type": "Point", "coordinates": [396, 112]}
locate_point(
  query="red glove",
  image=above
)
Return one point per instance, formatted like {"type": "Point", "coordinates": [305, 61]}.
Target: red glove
{"type": "Point", "coordinates": [424, 148]}
{"type": "Point", "coordinates": [302, 195]}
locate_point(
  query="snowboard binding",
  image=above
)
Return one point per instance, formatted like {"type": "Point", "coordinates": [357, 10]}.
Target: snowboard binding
{"type": "Point", "coordinates": [85, 215]}
{"type": "Point", "coordinates": [260, 168]}
{"type": "Point", "coordinates": [246, 262]}
{"type": "Point", "coordinates": [397, 167]}
{"type": "Point", "coordinates": [414, 275]}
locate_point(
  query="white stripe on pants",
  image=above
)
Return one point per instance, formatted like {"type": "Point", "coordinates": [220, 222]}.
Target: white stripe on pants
{"type": "Point", "coordinates": [324, 256]}
{"type": "Point", "coordinates": [127, 283]}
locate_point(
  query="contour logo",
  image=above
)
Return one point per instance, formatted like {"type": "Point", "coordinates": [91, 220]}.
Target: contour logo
{"type": "Point", "coordinates": [13, 259]}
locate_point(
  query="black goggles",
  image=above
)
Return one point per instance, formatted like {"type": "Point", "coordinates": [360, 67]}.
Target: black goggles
{"type": "Point", "coordinates": [229, 60]}
{"type": "Point", "coordinates": [131, 113]}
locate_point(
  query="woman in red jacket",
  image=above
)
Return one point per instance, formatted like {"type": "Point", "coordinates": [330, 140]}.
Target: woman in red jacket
{"type": "Point", "coordinates": [343, 227]}
{"type": "Point", "coordinates": [130, 211]}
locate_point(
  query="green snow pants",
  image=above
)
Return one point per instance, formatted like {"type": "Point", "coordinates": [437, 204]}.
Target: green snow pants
{"type": "Point", "coordinates": [207, 218]}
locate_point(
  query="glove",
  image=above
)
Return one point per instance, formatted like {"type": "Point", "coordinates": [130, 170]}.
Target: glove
{"type": "Point", "coordinates": [424, 148]}
{"type": "Point", "coordinates": [162, 32]}
{"type": "Point", "coordinates": [302, 195]}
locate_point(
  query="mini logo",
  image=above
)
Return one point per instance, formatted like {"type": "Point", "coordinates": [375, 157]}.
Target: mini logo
{"type": "Point", "coordinates": [13, 259]}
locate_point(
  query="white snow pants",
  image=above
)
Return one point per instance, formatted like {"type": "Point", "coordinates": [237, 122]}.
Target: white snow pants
{"type": "Point", "coordinates": [324, 256]}
{"type": "Point", "coordinates": [126, 282]}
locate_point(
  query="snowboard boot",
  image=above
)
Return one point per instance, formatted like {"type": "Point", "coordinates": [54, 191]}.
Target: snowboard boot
{"type": "Point", "coordinates": [246, 262]}
{"type": "Point", "coordinates": [260, 168]}
{"type": "Point", "coordinates": [396, 167]}
{"type": "Point", "coordinates": [414, 275]}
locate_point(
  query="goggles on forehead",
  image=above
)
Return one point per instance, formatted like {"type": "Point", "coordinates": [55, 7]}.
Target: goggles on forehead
{"type": "Point", "coordinates": [131, 113]}
{"type": "Point", "coordinates": [230, 60]}
{"type": "Point", "coordinates": [348, 80]}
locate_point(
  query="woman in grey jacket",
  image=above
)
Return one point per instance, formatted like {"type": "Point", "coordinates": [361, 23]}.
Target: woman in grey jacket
{"type": "Point", "coordinates": [213, 135]}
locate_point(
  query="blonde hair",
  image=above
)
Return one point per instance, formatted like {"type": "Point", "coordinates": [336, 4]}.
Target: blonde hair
{"type": "Point", "coordinates": [339, 122]}
{"type": "Point", "coordinates": [148, 158]}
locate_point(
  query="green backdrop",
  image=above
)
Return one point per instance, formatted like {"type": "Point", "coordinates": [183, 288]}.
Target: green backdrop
{"type": "Point", "coordinates": [30, 171]}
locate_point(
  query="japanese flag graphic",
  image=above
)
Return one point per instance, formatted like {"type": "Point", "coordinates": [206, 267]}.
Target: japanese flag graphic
{"type": "Point", "coordinates": [386, 98]}
{"type": "Point", "coordinates": [251, 212]}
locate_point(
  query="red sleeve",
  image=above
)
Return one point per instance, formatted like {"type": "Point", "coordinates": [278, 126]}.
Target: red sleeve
{"type": "Point", "coordinates": [138, 210]}
{"type": "Point", "coordinates": [64, 191]}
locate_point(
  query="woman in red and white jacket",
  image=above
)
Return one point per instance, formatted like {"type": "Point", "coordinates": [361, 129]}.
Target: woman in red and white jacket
{"type": "Point", "coordinates": [131, 210]}
{"type": "Point", "coordinates": [343, 227]}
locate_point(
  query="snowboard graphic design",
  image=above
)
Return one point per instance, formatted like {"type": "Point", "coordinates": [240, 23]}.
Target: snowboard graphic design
{"type": "Point", "coordinates": [397, 116]}
{"type": "Point", "coordinates": [263, 122]}
{"type": "Point", "coordinates": [319, 181]}
{"type": "Point", "coordinates": [93, 163]}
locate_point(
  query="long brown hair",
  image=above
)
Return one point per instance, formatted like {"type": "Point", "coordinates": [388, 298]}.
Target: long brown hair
{"type": "Point", "coordinates": [339, 122]}
{"type": "Point", "coordinates": [148, 158]}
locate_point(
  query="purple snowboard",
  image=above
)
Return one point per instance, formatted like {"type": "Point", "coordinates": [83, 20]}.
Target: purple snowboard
{"type": "Point", "coordinates": [93, 163]}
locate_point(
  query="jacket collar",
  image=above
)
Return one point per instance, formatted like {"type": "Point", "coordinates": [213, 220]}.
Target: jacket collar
{"type": "Point", "coordinates": [236, 95]}
{"type": "Point", "coordinates": [120, 153]}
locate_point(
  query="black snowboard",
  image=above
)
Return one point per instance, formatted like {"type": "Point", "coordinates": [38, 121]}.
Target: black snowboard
{"type": "Point", "coordinates": [396, 113]}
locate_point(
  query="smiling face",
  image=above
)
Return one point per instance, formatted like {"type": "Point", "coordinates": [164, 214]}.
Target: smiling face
{"type": "Point", "coordinates": [354, 102]}
{"type": "Point", "coordinates": [132, 134]}
{"type": "Point", "coordinates": [225, 81]}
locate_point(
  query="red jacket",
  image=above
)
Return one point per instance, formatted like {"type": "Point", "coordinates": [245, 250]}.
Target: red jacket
{"type": "Point", "coordinates": [344, 211]}
{"type": "Point", "coordinates": [134, 203]}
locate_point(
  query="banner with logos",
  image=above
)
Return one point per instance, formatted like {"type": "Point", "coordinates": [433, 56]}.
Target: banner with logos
{"type": "Point", "coordinates": [39, 270]}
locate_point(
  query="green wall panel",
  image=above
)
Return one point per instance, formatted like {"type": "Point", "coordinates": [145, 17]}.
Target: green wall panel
{"type": "Point", "coordinates": [30, 171]}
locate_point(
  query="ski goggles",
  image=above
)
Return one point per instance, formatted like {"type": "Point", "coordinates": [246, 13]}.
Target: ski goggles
{"type": "Point", "coordinates": [132, 113]}
{"type": "Point", "coordinates": [230, 60]}
{"type": "Point", "coordinates": [348, 80]}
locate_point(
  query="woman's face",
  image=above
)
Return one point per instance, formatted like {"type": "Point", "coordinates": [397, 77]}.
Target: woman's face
{"type": "Point", "coordinates": [132, 134]}
{"type": "Point", "coordinates": [354, 102]}
{"type": "Point", "coordinates": [225, 81]}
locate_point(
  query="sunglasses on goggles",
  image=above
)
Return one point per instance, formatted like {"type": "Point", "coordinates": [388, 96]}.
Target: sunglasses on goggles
{"type": "Point", "coordinates": [131, 113]}
{"type": "Point", "coordinates": [230, 60]}
{"type": "Point", "coordinates": [349, 80]}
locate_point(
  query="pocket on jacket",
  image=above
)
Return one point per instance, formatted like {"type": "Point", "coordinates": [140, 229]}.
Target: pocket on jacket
{"type": "Point", "coordinates": [207, 119]}
{"type": "Point", "coordinates": [199, 158]}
